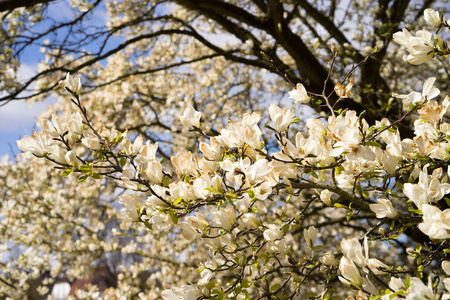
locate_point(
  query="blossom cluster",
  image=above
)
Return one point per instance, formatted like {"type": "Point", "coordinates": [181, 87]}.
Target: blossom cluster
{"type": "Point", "coordinates": [265, 213]}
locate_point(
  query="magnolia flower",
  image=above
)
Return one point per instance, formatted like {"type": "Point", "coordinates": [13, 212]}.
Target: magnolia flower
{"type": "Point", "coordinates": [249, 221]}
{"type": "Point", "coordinates": [325, 197]}
{"type": "Point", "coordinates": [211, 151]}
{"type": "Point", "coordinates": [328, 259]}
{"type": "Point", "coordinates": [73, 84]}
{"type": "Point", "coordinates": [152, 171]}
{"type": "Point", "coordinates": [446, 266]}
{"type": "Point", "coordinates": [350, 273]}
{"type": "Point", "coordinates": [426, 191]}
{"type": "Point", "coordinates": [310, 235]}
{"type": "Point", "coordinates": [428, 93]}
{"type": "Point", "coordinates": [133, 207]}
{"type": "Point", "coordinates": [420, 47]}
{"type": "Point", "coordinates": [198, 221]}
{"type": "Point", "coordinates": [432, 111]}
{"type": "Point", "coordinates": [419, 291]}
{"type": "Point", "coordinates": [352, 249]}
{"type": "Point", "coordinates": [299, 94]}
{"type": "Point", "coordinates": [160, 221]}
{"type": "Point", "coordinates": [224, 218]}
{"type": "Point", "coordinates": [263, 190]}
{"type": "Point", "coordinates": [383, 209]}
{"type": "Point", "coordinates": [281, 118]}
{"type": "Point", "coordinates": [55, 127]}
{"type": "Point", "coordinates": [272, 233]}
{"type": "Point", "coordinates": [184, 164]}
{"type": "Point", "coordinates": [186, 292]}
{"type": "Point", "coordinates": [402, 37]}
{"type": "Point", "coordinates": [132, 149]}
{"type": "Point", "coordinates": [188, 231]}
{"type": "Point", "coordinates": [191, 118]}
{"type": "Point", "coordinates": [36, 144]}
{"type": "Point", "coordinates": [257, 171]}
{"type": "Point", "coordinates": [377, 266]}
{"type": "Point", "coordinates": [436, 223]}
{"type": "Point", "coordinates": [432, 17]}
{"type": "Point", "coordinates": [206, 277]}
{"type": "Point", "coordinates": [343, 91]}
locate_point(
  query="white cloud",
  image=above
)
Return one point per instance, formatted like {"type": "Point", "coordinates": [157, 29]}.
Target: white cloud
{"type": "Point", "coordinates": [20, 117]}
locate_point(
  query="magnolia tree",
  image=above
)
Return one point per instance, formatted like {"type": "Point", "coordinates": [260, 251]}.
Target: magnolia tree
{"type": "Point", "coordinates": [138, 171]}
{"type": "Point", "coordinates": [249, 208]}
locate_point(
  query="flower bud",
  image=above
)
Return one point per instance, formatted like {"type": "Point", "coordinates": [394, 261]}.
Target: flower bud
{"type": "Point", "coordinates": [191, 118]}
{"type": "Point", "coordinates": [329, 259]}
{"type": "Point", "coordinates": [310, 235]}
{"type": "Point", "coordinates": [325, 197]}
{"type": "Point", "coordinates": [432, 17]}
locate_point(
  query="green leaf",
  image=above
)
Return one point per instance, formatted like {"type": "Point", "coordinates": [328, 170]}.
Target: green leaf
{"type": "Point", "coordinates": [86, 169]}
{"type": "Point", "coordinates": [97, 176]}
{"type": "Point", "coordinates": [117, 139]}
{"type": "Point", "coordinates": [148, 225]}
{"type": "Point", "coordinates": [211, 285]}
{"type": "Point", "coordinates": [274, 287]}
{"type": "Point", "coordinates": [288, 199]}
{"type": "Point", "coordinates": [174, 218]}
{"type": "Point", "coordinates": [373, 143]}
{"type": "Point", "coordinates": [66, 172]}
{"type": "Point", "coordinates": [178, 201]}
{"type": "Point", "coordinates": [82, 178]}
{"type": "Point", "coordinates": [166, 181]}
{"type": "Point", "coordinates": [349, 216]}
{"type": "Point", "coordinates": [213, 190]}
{"type": "Point", "coordinates": [163, 160]}
{"type": "Point", "coordinates": [295, 120]}
{"type": "Point", "coordinates": [393, 130]}
{"type": "Point", "coordinates": [123, 161]}
{"type": "Point", "coordinates": [245, 283]}
{"type": "Point", "coordinates": [251, 194]}
{"type": "Point", "coordinates": [253, 210]}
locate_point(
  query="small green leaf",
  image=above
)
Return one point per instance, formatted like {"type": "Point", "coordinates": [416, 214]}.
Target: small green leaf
{"type": "Point", "coordinates": [393, 130]}
{"type": "Point", "coordinates": [97, 176]}
{"type": "Point", "coordinates": [373, 143]}
{"type": "Point", "coordinates": [82, 178]}
{"type": "Point", "coordinates": [66, 172]}
{"type": "Point", "coordinates": [212, 190]}
{"type": "Point", "coordinates": [295, 120]}
{"type": "Point", "coordinates": [245, 283]}
{"type": "Point", "coordinates": [174, 218]}
{"type": "Point", "coordinates": [178, 201]}
{"type": "Point", "coordinates": [117, 139]}
{"type": "Point", "coordinates": [348, 216]}
{"type": "Point", "coordinates": [211, 285]}
{"type": "Point", "coordinates": [148, 225]}
{"type": "Point", "coordinates": [274, 287]}
{"type": "Point", "coordinates": [123, 161]}
{"type": "Point", "coordinates": [166, 181]}
{"type": "Point", "coordinates": [86, 169]}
